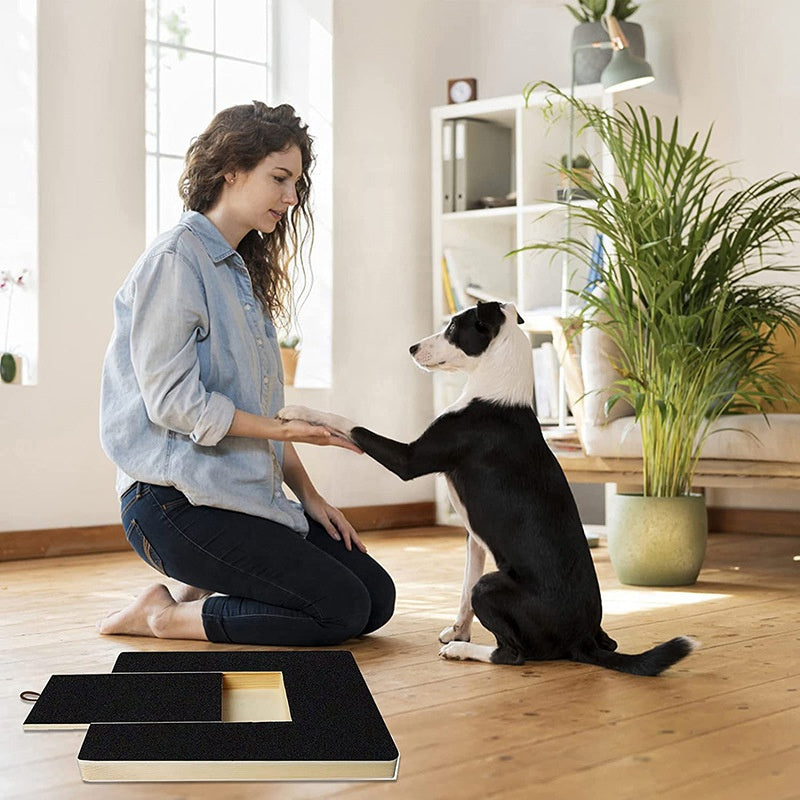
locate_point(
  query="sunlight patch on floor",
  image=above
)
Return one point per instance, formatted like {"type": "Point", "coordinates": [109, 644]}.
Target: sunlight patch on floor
{"type": "Point", "coordinates": [629, 601]}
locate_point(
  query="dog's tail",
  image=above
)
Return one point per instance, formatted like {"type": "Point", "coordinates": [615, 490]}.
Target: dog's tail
{"type": "Point", "coordinates": [651, 662]}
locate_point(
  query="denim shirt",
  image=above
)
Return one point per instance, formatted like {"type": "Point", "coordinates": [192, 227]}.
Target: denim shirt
{"type": "Point", "coordinates": [191, 344]}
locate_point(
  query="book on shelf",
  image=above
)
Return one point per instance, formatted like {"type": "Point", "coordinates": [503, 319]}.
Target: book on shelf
{"type": "Point", "coordinates": [475, 275]}
{"type": "Point", "coordinates": [447, 289]}
{"type": "Point", "coordinates": [545, 380]}
{"type": "Point", "coordinates": [457, 265]}
{"type": "Point", "coordinates": [474, 293]}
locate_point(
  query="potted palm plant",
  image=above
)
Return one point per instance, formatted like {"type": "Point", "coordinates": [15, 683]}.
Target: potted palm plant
{"type": "Point", "coordinates": [685, 296]}
{"type": "Point", "coordinates": [589, 61]}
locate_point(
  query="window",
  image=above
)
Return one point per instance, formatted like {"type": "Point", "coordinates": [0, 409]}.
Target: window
{"type": "Point", "coordinates": [18, 191]}
{"type": "Point", "coordinates": [202, 56]}
{"type": "Point", "coordinates": [205, 55]}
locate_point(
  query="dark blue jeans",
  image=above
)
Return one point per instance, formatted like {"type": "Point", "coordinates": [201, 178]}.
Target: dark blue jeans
{"type": "Point", "coordinates": [277, 588]}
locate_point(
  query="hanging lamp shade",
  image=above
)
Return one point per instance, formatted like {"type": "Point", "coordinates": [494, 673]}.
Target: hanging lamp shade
{"type": "Point", "coordinates": [625, 70]}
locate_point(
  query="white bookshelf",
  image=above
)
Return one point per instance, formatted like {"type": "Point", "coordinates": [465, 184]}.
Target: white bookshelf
{"type": "Point", "coordinates": [538, 282]}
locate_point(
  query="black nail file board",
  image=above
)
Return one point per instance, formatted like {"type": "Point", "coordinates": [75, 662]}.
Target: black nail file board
{"type": "Point", "coordinates": [332, 729]}
{"type": "Point", "coordinates": [74, 701]}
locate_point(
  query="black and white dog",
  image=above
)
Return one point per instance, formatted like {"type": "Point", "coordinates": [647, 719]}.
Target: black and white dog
{"type": "Point", "coordinates": [543, 602]}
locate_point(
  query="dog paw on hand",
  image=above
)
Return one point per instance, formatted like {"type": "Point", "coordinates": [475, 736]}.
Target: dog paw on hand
{"type": "Point", "coordinates": [301, 413]}
{"type": "Point", "coordinates": [452, 634]}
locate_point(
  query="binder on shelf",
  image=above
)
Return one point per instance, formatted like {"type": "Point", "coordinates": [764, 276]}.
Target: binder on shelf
{"type": "Point", "coordinates": [448, 180]}
{"type": "Point", "coordinates": [482, 164]}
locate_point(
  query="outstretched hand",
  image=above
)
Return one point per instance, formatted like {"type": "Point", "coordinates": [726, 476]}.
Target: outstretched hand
{"type": "Point", "coordinates": [295, 430]}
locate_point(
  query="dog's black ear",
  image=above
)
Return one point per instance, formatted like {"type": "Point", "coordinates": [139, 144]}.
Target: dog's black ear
{"type": "Point", "coordinates": [490, 313]}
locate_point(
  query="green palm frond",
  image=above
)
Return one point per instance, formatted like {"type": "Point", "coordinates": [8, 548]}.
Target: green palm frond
{"type": "Point", "coordinates": [689, 287]}
{"type": "Point", "coordinates": [594, 10]}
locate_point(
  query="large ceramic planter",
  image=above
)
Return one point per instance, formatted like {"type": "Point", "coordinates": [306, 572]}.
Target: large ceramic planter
{"type": "Point", "coordinates": [591, 61]}
{"type": "Point", "coordinates": [657, 541]}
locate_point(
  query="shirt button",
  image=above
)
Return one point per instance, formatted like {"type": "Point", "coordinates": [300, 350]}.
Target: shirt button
{"type": "Point", "coordinates": [247, 306]}
{"type": "Point", "coordinates": [260, 342]}
{"type": "Point", "coordinates": [266, 381]}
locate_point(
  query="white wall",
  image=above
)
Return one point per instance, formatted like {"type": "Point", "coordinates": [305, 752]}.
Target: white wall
{"type": "Point", "coordinates": [91, 229]}
{"type": "Point", "coordinates": [92, 222]}
{"type": "Point", "coordinates": [388, 72]}
{"type": "Point", "coordinates": [391, 63]}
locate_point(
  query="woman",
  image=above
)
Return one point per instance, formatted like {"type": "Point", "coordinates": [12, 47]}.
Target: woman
{"type": "Point", "coordinates": [191, 384]}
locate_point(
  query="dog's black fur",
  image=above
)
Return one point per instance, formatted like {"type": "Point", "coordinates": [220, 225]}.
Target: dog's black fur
{"type": "Point", "coordinates": [543, 602]}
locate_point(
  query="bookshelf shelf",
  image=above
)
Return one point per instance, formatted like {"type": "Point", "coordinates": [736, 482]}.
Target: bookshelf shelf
{"type": "Point", "coordinates": [506, 213]}
{"type": "Point", "coordinates": [480, 247]}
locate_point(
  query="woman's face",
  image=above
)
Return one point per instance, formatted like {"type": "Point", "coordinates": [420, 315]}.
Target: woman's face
{"type": "Point", "coordinates": [261, 197]}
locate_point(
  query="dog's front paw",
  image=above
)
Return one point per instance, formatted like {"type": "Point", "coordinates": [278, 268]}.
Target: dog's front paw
{"type": "Point", "coordinates": [455, 651]}
{"type": "Point", "coordinates": [466, 651]}
{"type": "Point", "coordinates": [333, 422]}
{"type": "Point", "coordinates": [301, 413]}
{"type": "Point", "coordinates": [454, 634]}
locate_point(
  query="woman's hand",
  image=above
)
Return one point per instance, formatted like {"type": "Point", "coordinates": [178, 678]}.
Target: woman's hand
{"type": "Point", "coordinates": [333, 521]}
{"type": "Point", "coordinates": [297, 431]}
{"type": "Point", "coordinates": [256, 426]}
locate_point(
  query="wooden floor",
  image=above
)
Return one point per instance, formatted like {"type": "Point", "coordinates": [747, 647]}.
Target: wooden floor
{"type": "Point", "coordinates": [723, 724]}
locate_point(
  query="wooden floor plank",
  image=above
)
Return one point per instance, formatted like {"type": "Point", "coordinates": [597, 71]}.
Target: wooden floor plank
{"type": "Point", "coordinates": [725, 722]}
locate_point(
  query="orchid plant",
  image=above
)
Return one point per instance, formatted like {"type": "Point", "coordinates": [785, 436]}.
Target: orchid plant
{"type": "Point", "coordinates": [9, 282]}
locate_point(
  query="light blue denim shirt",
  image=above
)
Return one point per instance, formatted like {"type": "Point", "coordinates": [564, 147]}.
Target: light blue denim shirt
{"type": "Point", "coordinates": [191, 344]}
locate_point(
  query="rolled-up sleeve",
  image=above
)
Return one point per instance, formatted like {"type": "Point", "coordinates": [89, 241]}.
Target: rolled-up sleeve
{"type": "Point", "coordinates": [215, 421]}
{"type": "Point", "coordinates": [169, 315]}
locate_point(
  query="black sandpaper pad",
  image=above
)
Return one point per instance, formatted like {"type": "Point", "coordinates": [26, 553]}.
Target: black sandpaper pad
{"type": "Point", "coordinates": [74, 701]}
{"type": "Point", "coordinates": [335, 732]}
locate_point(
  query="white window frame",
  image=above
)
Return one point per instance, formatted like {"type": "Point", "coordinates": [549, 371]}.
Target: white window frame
{"type": "Point", "coordinates": [153, 191]}
{"type": "Point", "coordinates": [308, 87]}
{"type": "Point", "coordinates": [19, 201]}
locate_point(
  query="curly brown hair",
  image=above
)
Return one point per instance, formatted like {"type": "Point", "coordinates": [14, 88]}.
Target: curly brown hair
{"type": "Point", "coordinates": [239, 138]}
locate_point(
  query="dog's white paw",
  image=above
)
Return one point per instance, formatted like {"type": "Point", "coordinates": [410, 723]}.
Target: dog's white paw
{"type": "Point", "coordinates": [333, 422]}
{"type": "Point", "coordinates": [301, 413]}
{"type": "Point", "coordinates": [466, 651]}
{"type": "Point", "coordinates": [454, 634]}
{"type": "Point", "coordinates": [454, 651]}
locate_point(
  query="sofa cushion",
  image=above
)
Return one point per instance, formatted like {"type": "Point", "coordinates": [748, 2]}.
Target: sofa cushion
{"type": "Point", "coordinates": [737, 437]}
{"type": "Point", "coordinates": [598, 355]}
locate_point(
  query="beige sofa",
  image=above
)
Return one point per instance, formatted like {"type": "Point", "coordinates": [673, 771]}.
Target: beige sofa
{"type": "Point", "coordinates": [744, 450]}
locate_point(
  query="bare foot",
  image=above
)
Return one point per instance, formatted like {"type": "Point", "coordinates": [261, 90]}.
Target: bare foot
{"type": "Point", "coordinates": [139, 617]}
{"type": "Point", "coordinates": [183, 593]}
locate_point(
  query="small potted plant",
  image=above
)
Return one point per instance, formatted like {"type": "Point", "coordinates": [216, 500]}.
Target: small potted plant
{"type": "Point", "coordinates": [290, 353]}
{"type": "Point", "coordinates": [591, 61]}
{"type": "Point", "coordinates": [10, 363]}
{"type": "Point", "coordinates": [576, 181]}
